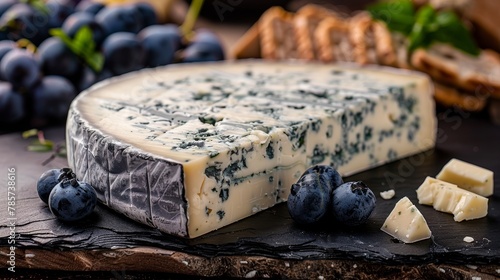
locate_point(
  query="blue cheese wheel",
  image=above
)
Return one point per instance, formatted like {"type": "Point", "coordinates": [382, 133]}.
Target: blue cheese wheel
{"type": "Point", "coordinates": [191, 148]}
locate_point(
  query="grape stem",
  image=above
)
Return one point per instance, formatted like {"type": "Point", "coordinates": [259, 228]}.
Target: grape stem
{"type": "Point", "coordinates": [190, 20]}
{"type": "Point", "coordinates": [27, 44]}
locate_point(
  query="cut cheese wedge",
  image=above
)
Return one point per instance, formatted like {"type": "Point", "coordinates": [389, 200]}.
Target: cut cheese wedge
{"type": "Point", "coordinates": [449, 198]}
{"type": "Point", "coordinates": [191, 148]}
{"type": "Point", "coordinates": [406, 223]}
{"type": "Point", "coordinates": [468, 176]}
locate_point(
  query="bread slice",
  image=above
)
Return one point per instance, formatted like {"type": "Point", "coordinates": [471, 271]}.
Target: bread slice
{"type": "Point", "coordinates": [248, 46]}
{"type": "Point", "coordinates": [451, 66]}
{"type": "Point", "coordinates": [277, 36]}
{"type": "Point", "coordinates": [372, 41]}
{"type": "Point", "coordinates": [332, 35]}
{"type": "Point", "coordinates": [452, 97]}
{"type": "Point", "coordinates": [305, 22]}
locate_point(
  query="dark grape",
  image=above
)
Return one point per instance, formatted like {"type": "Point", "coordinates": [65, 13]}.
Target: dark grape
{"type": "Point", "coordinates": [79, 19]}
{"type": "Point", "coordinates": [5, 5]}
{"type": "Point", "coordinates": [160, 42]}
{"type": "Point", "coordinates": [352, 203]}
{"type": "Point", "coordinates": [206, 46]}
{"type": "Point", "coordinates": [23, 21]}
{"type": "Point", "coordinates": [50, 179]}
{"type": "Point", "coordinates": [148, 14]}
{"type": "Point", "coordinates": [89, 6]}
{"type": "Point", "coordinates": [123, 53]}
{"type": "Point", "coordinates": [58, 12]}
{"type": "Point", "coordinates": [20, 68]}
{"type": "Point", "coordinates": [51, 98]}
{"type": "Point", "coordinates": [11, 104]}
{"type": "Point", "coordinates": [57, 59]}
{"type": "Point", "coordinates": [72, 200]}
{"type": "Point", "coordinates": [5, 47]}
{"type": "Point", "coordinates": [124, 18]}
{"type": "Point", "coordinates": [4, 35]}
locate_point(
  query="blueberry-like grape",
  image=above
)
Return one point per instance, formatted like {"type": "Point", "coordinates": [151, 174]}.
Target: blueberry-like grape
{"type": "Point", "coordinates": [6, 4]}
{"type": "Point", "coordinates": [309, 199]}
{"type": "Point", "coordinates": [206, 46]}
{"type": "Point", "coordinates": [58, 12]}
{"type": "Point", "coordinates": [57, 59]}
{"type": "Point", "coordinates": [5, 47]}
{"type": "Point", "coordinates": [23, 21]}
{"type": "Point", "coordinates": [148, 14]}
{"type": "Point", "coordinates": [123, 53]}
{"type": "Point", "coordinates": [79, 19]}
{"type": "Point", "coordinates": [160, 42]}
{"type": "Point", "coordinates": [89, 6]}
{"type": "Point", "coordinates": [11, 104]}
{"type": "Point", "coordinates": [123, 18]}
{"type": "Point", "coordinates": [20, 68]}
{"type": "Point", "coordinates": [50, 179]}
{"type": "Point", "coordinates": [327, 174]}
{"type": "Point", "coordinates": [353, 203]}
{"type": "Point", "coordinates": [71, 200]}
{"type": "Point", "coordinates": [52, 98]}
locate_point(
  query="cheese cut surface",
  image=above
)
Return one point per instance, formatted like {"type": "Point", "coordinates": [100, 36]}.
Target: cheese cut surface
{"type": "Point", "coordinates": [468, 176]}
{"type": "Point", "coordinates": [406, 223]}
{"type": "Point", "coordinates": [449, 198]}
{"type": "Point", "coordinates": [191, 148]}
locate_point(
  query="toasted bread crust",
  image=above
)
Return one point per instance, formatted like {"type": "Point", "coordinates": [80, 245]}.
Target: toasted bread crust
{"type": "Point", "coordinates": [277, 39]}
{"type": "Point", "coordinates": [305, 22]}
{"type": "Point", "coordinates": [449, 97]}
{"type": "Point", "coordinates": [453, 67]}
{"type": "Point", "coordinates": [315, 33]}
{"type": "Point", "coordinates": [333, 40]}
{"type": "Point", "coordinates": [248, 46]}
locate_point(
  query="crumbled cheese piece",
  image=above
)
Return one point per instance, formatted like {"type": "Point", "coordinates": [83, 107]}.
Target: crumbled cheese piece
{"type": "Point", "coordinates": [387, 194]}
{"type": "Point", "coordinates": [468, 239]}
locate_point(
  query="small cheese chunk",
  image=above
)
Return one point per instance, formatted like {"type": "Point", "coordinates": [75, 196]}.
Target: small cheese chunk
{"type": "Point", "coordinates": [468, 176]}
{"type": "Point", "coordinates": [388, 194]}
{"type": "Point", "coordinates": [406, 223]}
{"type": "Point", "coordinates": [449, 198]}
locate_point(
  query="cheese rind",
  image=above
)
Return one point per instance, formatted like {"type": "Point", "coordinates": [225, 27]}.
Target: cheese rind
{"type": "Point", "coordinates": [468, 176]}
{"type": "Point", "coordinates": [406, 223]}
{"type": "Point", "coordinates": [192, 148]}
{"type": "Point", "coordinates": [449, 198]}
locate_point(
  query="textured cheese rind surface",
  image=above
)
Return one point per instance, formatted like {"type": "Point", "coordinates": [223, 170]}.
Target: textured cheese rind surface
{"type": "Point", "coordinates": [406, 223]}
{"type": "Point", "coordinates": [449, 198]}
{"type": "Point", "coordinates": [189, 149]}
{"type": "Point", "coordinates": [468, 176]}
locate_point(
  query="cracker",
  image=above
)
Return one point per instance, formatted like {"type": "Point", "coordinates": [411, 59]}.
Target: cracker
{"type": "Point", "coordinates": [305, 22]}
{"type": "Point", "coordinates": [451, 66]}
{"type": "Point", "coordinates": [332, 35]}
{"type": "Point", "coordinates": [277, 37]}
{"type": "Point", "coordinates": [372, 41]}
{"type": "Point", "coordinates": [449, 97]}
{"type": "Point", "coordinates": [248, 46]}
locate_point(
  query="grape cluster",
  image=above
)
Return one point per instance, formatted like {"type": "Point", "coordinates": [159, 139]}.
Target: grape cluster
{"type": "Point", "coordinates": [46, 59]}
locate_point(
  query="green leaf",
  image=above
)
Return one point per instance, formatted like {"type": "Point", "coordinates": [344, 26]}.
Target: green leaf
{"type": "Point", "coordinates": [399, 15]}
{"type": "Point", "coordinates": [83, 46]}
{"type": "Point", "coordinates": [95, 61]}
{"type": "Point", "coordinates": [191, 17]}
{"type": "Point", "coordinates": [84, 40]}
{"type": "Point", "coordinates": [37, 146]}
{"type": "Point", "coordinates": [30, 133]}
{"type": "Point", "coordinates": [420, 35]}
{"type": "Point", "coordinates": [450, 29]}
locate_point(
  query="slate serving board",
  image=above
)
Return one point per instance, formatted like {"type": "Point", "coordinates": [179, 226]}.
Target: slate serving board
{"type": "Point", "coordinates": [272, 233]}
